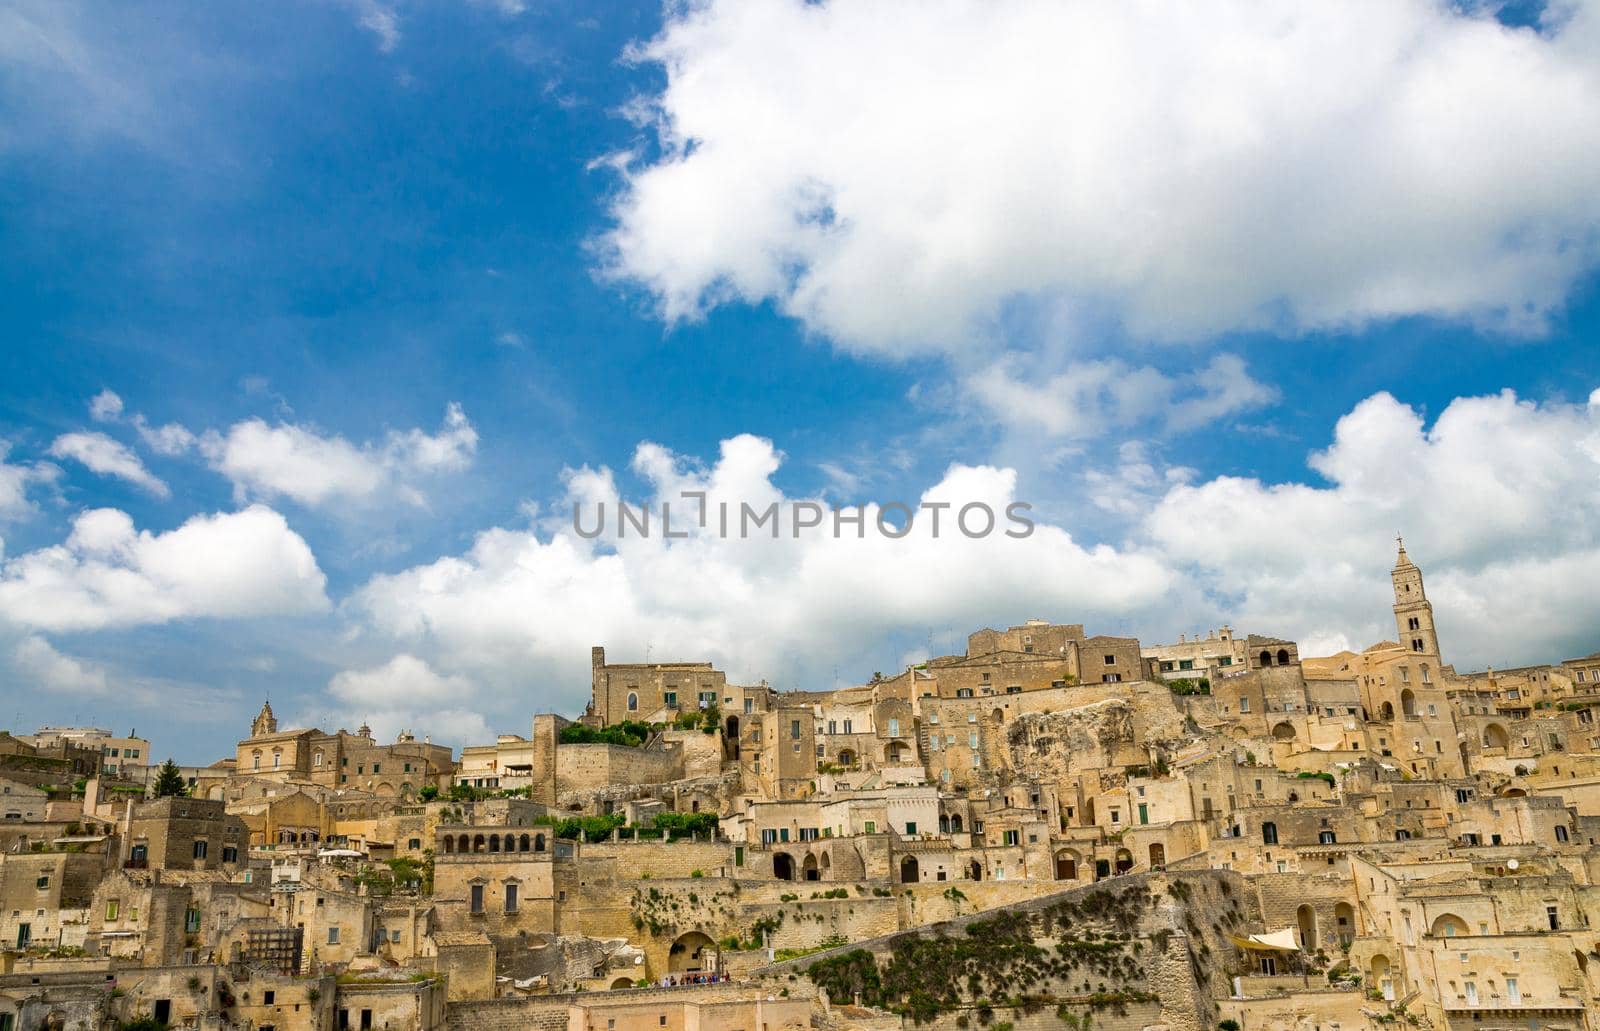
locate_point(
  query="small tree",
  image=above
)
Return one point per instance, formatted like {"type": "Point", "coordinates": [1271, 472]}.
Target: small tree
{"type": "Point", "coordinates": [169, 782]}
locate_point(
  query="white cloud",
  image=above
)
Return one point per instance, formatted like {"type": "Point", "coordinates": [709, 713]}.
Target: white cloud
{"type": "Point", "coordinates": [406, 694]}
{"type": "Point", "coordinates": [1499, 499]}
{"type": "Point", "coordinates": [523, 600]}
{"type": "Point", "coordinates": [101, 454]}
{"type": "Point", "coordinates": [37, 660]}
{"type": "Point", "coordinates": [298, 462]}
{"type": "Point", "coordinates": [15, 481]}
{"type": "Point", "coordinates": [893, 173]}
{"type": "Point", "coordinates": [105, 406]}
{"type": "Point", "coordinates": [381, 20]}
{"type": "Point", "coordinates": [1093, 398]}
{"type": "Point", "coordinates": [107, 574]}
{"type": "Point", "coordinates": [171, 439]}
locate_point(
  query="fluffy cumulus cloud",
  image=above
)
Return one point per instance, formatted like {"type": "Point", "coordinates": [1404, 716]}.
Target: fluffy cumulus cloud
{"type": "Point", "coordinates": [102, 454]}
{"type": "Point", "coordinates": [894, 173]}
{"type": "Point", "coordinates": [109, 574]}
{"type": "Point", "coordinates": [1499, 499]}
{"type": "Point", "coordinates": [313, 468]}
{"type": "Point", "coordinates": [1093, 398]}
{"type": "Point", "coordinates": [37, 661]}
{"type": "Point", "coordinates": [16, 479]}
{"type": "Point", "coordinates": [519, 610]}
{"type": "Point", "coordinates": [406, 694]}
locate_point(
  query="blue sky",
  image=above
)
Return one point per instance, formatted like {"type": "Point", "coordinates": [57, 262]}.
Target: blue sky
{"type": "Point", "coordinates": [836, 251]}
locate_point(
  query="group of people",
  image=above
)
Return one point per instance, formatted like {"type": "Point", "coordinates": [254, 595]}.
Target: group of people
{"type": "Point", "coordinates": [692, 977]}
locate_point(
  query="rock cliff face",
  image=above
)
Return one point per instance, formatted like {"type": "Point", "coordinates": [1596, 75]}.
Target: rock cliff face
{"type": "Point", "coordinates": [1042, 745]}
{"type": "Point", "coordinates": [1140, 950]}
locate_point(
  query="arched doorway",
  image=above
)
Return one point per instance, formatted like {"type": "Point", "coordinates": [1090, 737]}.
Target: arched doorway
{"type": "Point", "coordinates": [809, 870]}
{"type": "Point", "coordinates": [1266, 658]}
{"type": "Point", "coordinates": [1305, 920]}
{"type": "Point", "coordinates": [1408, 702]}
{"type": "Point", "coordinates": [1124, 860]}
{"type": "Point", "coordinates": [1386, 711]}
{"type": "Point", "coordinates": [1158, 855]}
{"type": "Point", "coordinates": [783, 866]}
{"type": "Point", "coordinates": [730, 738]}
{"type": "Point", "coordinates": [1383, 976]}
{"type": "Point", "coordinates": [997, 717]}
{"type": "Point", "coordinates": [1067, 865]}
{"type": "Point", "coordinates": [692, 952]}
{"type": "Point", "coordinates": [974, 871]}
{"type": "Point", "coordinates": [909, 873]}
{"type": "Point", "coordinates": [1283, 656]}
{"type": "Point", "coordinates": [1495, 736]}
{"type": "Point", "coordinates": [1344, 920]}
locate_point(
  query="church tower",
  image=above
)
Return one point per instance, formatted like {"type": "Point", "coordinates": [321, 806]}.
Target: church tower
{"type": "Point", "coordinates": [266, 722]}
{"type": "Point", "coordinates": [1413, 613]}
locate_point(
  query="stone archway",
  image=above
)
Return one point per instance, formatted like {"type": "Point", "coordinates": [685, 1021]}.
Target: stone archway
{"type": "Point", "coordinates": [1158, 855]}
{"type": "Point", "coordinates": [1495, 736]}
{"type": "Point", "coordinates": [1305, 921]}
{"type": "Point", "coordinates": [1067, 865]}
{"type": "Point", "coordinates": [1344, 920]}
{"type": "Point", "coordinates": [692, 952]}
{"type": "Point", "coordinates": [783, 866]}
{"type": "Point", "coordinates": [1283, 731]}
{"type": "Point", "coordinates": [810, 870]}
{"type": "Point", "coordinates": [910, 872]}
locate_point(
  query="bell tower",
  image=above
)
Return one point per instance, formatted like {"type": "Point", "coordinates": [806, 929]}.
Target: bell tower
{"type": "Point", "coordinates": [1413, 613]}
{"type": "Point", "coordinates": [266, 722]}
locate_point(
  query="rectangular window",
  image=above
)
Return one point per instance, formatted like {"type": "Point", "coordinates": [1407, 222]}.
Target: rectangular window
{"type": "Point", "coordinates": [1513, 991]}
{"type": "Point", "coordinates": [670, 699]}
{"type": "Point", "coordinates": [894, 727]}
{"type": "Point", "coordinates": [794, 729]}
{"type": "Point", "coordinates": [268, 998]}
{"type": "Point", "coordinates": [911, 829]}
{"type": "Point", "coordinates": [333, 936]}
{"type": "Point", "coordinates": [377, 767]}
{"type": "Point", "coordinates": [191, 920]}
{"type": "Point", "coordinates": [230, 854]}
{"type": "Point", "coordinates": [200, 850]}
{"type": "Point", "coordinates": [477, 898]}
{"type": "Point", "coordinates": [872, 827]}
{"type": "Point", "coordinates": [42, 881]}
{"type": "Point", "coordinates": [1244, 704]}
{"type": "Point", "coordinates": [847, 729]}
{"type": "Point", "coordinates": [112, 908]}
{"type": "Point", "coordinates": [1144, 812]}
{"type": "Point", "coordinates": [1111, 660]}
{"type": "Point", "coordinates": [511, 898]}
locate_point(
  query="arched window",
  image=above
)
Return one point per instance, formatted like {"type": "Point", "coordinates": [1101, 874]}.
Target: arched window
{"type": "Point", "coordinates": [316, 759]}
{"type": "Point", "coordinates": [633, 702]}
{"type": "Point", "coordinates": [1283, 656]}
{"type": "Point", "coordinates": [1266, 658]}
{"type": "Point", "coordinates": [524, 843]}
{"type": "Point", "coordinates": [1269, 833]}
{"type": "Point", "coordinates": [494, 843]}
{"type": "Point", "coordinates": [538, 842]}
